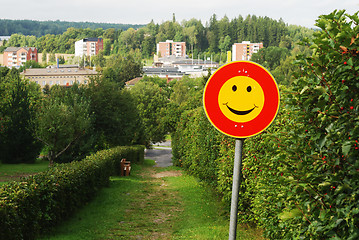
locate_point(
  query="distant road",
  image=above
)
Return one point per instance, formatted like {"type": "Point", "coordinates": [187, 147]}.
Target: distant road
{"type": "Point", "coordinates": [161, 153]}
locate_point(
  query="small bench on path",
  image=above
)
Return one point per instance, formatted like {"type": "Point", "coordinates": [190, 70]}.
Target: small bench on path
{"type": "Point", "coordinates": [125, 167]}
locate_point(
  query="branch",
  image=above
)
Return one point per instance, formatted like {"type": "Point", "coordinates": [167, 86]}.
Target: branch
{"type": "Point", "coordinates": [67, 147]}
{"type": "Point", "coordinates": [46, 143]}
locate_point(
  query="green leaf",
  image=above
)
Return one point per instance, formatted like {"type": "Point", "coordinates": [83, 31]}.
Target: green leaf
{"type": "Point", "coordinates": [346, 147]}
{"type": "Point", "coordinates": [322, 142]}
{"type": "Point", "coordinates": [304, 89]}
{"type": "Point", "coordinates": [350, 62]}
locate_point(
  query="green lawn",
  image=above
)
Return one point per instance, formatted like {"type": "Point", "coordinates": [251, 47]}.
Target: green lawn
{"type": "Point", "coordinates": [151, 205]}
{"type": "Point", "coordinates": [10, 172]}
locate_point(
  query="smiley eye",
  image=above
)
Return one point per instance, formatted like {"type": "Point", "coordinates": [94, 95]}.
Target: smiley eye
{"type": "Point", "coordinates": [249, 88]}
{"type": "Point", "coordinates": [234, 88]}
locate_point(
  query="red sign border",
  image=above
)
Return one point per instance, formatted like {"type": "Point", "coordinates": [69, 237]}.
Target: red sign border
{"type": "Point", "coordinates": [271, 99]}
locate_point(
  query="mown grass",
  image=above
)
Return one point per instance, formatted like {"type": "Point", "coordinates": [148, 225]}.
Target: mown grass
{"type": "Point", "coordinates": [142, 206]}
{"type": "Point", "coordinates": [13, 172]}
{"type": "Point", "coordinates": [203, 216]}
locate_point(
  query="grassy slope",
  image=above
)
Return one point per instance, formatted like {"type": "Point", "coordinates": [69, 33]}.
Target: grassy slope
{"type": "Point", "coordinates": [143, 206]}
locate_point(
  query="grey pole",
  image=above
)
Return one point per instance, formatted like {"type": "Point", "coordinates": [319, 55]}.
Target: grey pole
{"type": "Point", "coordinates": [237, 172]}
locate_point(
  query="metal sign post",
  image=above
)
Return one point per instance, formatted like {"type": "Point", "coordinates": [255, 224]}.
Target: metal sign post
{"type": "Point", "coordinates": [240, 99]}
{"type": "Point", "coordinates": [237, 172]}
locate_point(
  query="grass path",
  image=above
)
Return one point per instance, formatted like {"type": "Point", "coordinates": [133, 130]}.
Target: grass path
{"type": "Point", "coordinates": [152, 203]}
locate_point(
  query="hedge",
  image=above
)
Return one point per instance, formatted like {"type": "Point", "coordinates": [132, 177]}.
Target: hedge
{"type": "Point", "coordinates": [39, 202]}
{"type": "Point", "coordinates": [301, 175]}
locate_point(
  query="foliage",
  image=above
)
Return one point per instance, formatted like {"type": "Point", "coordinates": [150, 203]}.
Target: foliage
{"type": "Point", "coordinates": [270, 57]}
{"type": "Point", "coordinates": [195, 145]}
{"type": "Point", "coordinates": [326, 179]}
{"type": "Point", "coordinates": [37, 203]}
{"type": "Point", "coordinates": [150, 102]}
{"type": "Point", "coordinates": [116, 119]}
{"type": "Point", "coordinates": [64, 117]}
{"type": "Point", "coordinates": [40, 28]}
{"type": "Point", "coordinates": [300, 176]}
{"type": "Point", "coordinates": [216, 36]}
{"type": "Point", "coordinates": [17, 109]}
{"type": "Point", "coordinates": [122, 69]}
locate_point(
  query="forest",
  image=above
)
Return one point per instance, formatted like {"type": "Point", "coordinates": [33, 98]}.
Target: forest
{"type": "Point", "coordinates": [41, 28]}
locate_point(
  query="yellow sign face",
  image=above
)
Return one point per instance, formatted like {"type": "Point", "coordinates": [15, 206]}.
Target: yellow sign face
{"type": "Point", "coordinates": [241, 99]}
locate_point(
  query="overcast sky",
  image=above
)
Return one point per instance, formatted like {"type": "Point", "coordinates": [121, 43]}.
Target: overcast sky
{"type": "Point", "coordinates": [298, 12]}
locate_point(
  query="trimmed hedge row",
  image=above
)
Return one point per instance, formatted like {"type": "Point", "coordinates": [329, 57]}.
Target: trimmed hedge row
{"type": "Point", "coordinates": [39, 202]}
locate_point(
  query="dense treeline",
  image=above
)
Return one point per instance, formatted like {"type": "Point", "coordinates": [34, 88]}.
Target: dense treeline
{"type": "Point", "coordinates": [216, 36]}
{"type": "Point", "coordinates": [41, 28]}
{"type": "Point", "coordinates": [211, 40]}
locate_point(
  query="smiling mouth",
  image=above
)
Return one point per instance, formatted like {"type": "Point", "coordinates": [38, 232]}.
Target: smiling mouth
{"type": "Point", "coordinates": [239, 112]}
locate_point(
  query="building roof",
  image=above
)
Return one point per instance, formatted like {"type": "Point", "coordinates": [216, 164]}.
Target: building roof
{"type": "Point", "coordinates": [91, 39]}
{"type": "Point", "coordinates": [194, 62]}
{"type": "Point", "coordinates": [15, 49]}
{"type": "Point", "coordinates": [160, 70]}
{"type": "Point", "coordinates": [58, 72]}
{"type": "Point", "coordinates": [133, 81]}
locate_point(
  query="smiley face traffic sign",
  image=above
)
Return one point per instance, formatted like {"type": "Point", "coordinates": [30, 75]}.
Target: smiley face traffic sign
{"type": "Point", "coordinates": [241, 99]}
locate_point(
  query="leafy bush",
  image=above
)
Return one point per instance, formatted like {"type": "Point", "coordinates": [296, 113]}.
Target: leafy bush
{"type": "Point", "coordinates": [300, 176]}
{"type": "Point", "coordinates": [40, 201]}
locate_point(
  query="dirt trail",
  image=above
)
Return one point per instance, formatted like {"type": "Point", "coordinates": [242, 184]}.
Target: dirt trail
{"type": "Point", "coordinates": [153, 208]}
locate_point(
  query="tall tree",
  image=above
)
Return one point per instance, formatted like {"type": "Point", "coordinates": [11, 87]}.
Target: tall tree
{"type": "Point", "coordinates": [121, 70]}
{"type": "Point", "coordinates": [117, 121]}
{"type": "Point", "coordinates": [150, 101]}
{"type": "Point", "coordinates": [63, 119]}
{"type": "Point", "coordinates": [17, 109]}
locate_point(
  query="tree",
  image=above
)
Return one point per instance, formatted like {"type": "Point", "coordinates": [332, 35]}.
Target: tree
{"type": "Point", "coordinates": [17, 109]}
{"type": "Point", "coordinates": [52, 57]}
{"type": "Point", "coordinates": [117, 121]}
{"type": "Point", "coordinates": [44, 57]}
{"type": "Point", "coordinates": [63, 119]}
{"type": "Point", "coordinates": [270, 57]}
{"type": "Point", "coordinates": [150, 100]}
{"type": "Point", "coordinates": [122, 69]}
{"type": "Point", "coordinates": [224, 44]}
{"type": "Point", "coordinates": [99, 60]}
{"type": "Point", "coordinates": [191, 35]}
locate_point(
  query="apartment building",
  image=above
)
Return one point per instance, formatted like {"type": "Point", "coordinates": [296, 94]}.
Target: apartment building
{"type": "Point", "coordinates": [171, 48]}
{"type": "Point", "coordinates": [244, 50]}
{"type": "Point", "coordinates": [88, 46]}
{"type": "Point", "coordinates": [66, 76]}
{"type": "Point", "coordinates": [18, 56]}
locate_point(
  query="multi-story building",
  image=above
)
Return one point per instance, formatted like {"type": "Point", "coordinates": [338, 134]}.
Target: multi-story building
{"type": "Point", "coordinates": [88, 46]}
{"type": "Point", "coordinates": [171, 48]}
{"type": "Point", "coordinates": [59, 76]}
{"type": "Point", "coordinates": [18, 56]}
{"type": "Point", "coordinates": [244, 50]}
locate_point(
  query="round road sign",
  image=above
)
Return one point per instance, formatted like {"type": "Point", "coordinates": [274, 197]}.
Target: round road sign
{"type": "Point", "coordinates": [241, 99]}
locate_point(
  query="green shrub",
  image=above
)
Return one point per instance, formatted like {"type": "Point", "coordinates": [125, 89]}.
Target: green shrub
{"type": "Point", "coordinates": [301, 175]}
{"type": "Point", "coordinates": [41, 201]}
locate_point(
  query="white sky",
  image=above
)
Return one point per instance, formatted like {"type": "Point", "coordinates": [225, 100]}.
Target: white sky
{"type": "Point", "coordinates": [298, 12]}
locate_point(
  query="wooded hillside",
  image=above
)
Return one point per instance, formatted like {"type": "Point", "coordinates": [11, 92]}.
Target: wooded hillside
{"type": "Point", "coordinates": [41, 28]}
